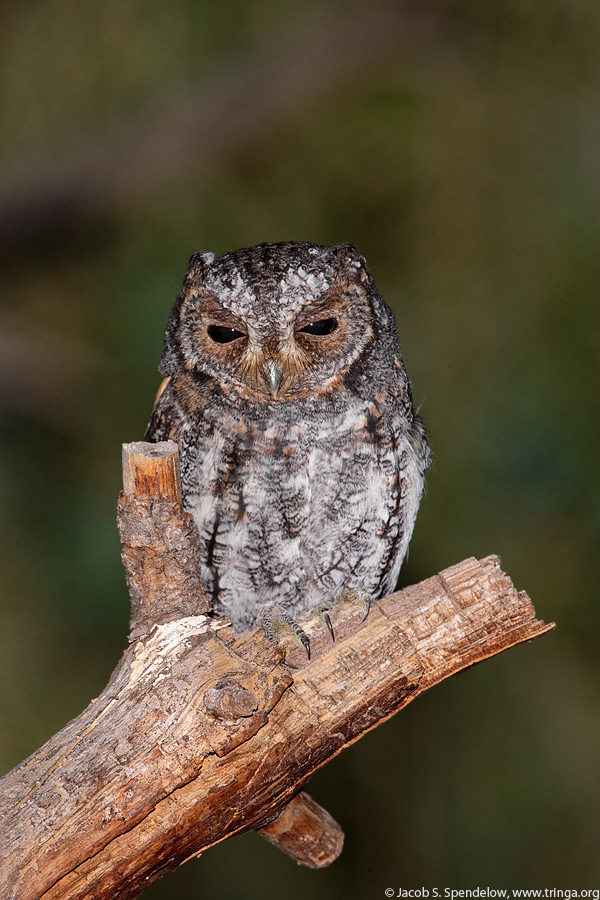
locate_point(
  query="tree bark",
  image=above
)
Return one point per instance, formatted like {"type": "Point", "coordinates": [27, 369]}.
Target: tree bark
{"type": "Point", "coordinates": [202, 733]}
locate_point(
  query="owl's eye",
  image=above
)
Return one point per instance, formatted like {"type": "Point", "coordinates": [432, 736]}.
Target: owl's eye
{"type": "Point", "coordinates": [221, 334]}
{"type": "Point", "coordinates": [320, 327]}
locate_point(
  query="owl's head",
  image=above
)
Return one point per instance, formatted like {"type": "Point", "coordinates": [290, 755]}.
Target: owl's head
{"type": "Point", "coordinates": [276, 321]}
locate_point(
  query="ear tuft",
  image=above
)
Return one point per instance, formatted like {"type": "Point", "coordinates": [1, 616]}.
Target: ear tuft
{"type": "Point", "coordinates": [349, 255]}
{"type": "Point", "coordinates": [197, 266]}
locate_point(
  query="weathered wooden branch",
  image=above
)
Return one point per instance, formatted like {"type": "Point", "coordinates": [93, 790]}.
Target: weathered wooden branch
{"type": "Point", "coordinates": [202, 733]}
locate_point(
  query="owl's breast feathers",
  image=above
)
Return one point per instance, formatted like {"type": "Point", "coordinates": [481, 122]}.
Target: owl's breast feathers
{"type": "Point", "coordinates": [294, 502]}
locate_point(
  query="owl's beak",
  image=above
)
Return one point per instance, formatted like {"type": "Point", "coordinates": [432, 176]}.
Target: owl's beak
{"type": "Point", "coordinates": [273, 372]}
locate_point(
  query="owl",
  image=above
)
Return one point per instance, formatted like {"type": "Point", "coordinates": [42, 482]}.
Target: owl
{"type": "Point", "coordinates": [302, 457]}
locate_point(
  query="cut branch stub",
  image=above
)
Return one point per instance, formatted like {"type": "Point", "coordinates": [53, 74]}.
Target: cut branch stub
{"type": "Point", "coordinates": [306, 832]}
{"type": "Point", "coordinates": [152, 470]}
{"type": "Point", "coordinates": [161, 549]}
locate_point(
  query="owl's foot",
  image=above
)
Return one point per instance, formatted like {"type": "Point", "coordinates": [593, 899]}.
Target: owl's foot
{"type": "Point", "coordinates": [278, 624]}
{"type": "Point", "coordinates": [359, 599]}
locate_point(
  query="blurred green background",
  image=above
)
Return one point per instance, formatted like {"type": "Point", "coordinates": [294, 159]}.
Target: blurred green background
{"type": "Point", "coordinates": [458, 145]}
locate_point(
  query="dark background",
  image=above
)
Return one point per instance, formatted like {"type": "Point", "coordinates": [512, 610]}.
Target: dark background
{"type": "Point", "coordinates": [458, 145]}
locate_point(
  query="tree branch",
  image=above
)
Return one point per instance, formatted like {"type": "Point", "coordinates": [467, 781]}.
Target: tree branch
{"type": "Point", "coordinates": [202, 733]}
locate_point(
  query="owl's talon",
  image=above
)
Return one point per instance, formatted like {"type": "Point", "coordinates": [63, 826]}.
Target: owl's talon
{"type": "Point", "coordinates": [306, 642]}
{"type": "Point", "coordinates": [277, 624]}
{"type": "Point", "coordinates": [367, 604]}
{"type": "Point", "coordinates": [327, 619]}
{"type": "Point", "coordinates": [356, 598]}
{"type": "Point", "coordinates": [352, 597]}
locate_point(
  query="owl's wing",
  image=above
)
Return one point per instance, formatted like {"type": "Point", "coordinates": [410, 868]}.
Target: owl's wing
{"type": "Point", "coordinates": [167, 415]}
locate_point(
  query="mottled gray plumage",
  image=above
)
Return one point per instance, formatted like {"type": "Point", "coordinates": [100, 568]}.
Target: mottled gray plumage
{"type": "Point", "coordinates": [302, 458]}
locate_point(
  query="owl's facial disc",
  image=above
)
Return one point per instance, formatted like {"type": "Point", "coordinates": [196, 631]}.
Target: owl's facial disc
{"type": "Point", "coordinates": [280, 343]}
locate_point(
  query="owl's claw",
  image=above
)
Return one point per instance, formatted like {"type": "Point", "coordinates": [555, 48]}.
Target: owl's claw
{"type": "Point", "coordinates": [350, 596]}
{"type": "Point", "coordinates": [327, 619]}
{"type": "Point", "coordinates": [363, 600]}
{"type": "Point", "coordinates": [305, 640]}
{"type": "Point", "coordinates": [277, 624]}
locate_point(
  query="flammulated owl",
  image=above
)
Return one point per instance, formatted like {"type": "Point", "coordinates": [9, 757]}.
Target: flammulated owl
{"type": "Point", "coordinates": [302, 457]}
